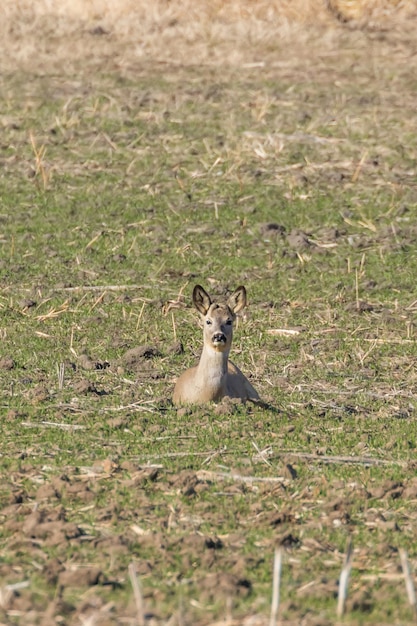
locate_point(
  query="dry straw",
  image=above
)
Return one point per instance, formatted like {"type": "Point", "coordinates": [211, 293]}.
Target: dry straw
{"type": "Point", "coordinates": [52, 34]}
{"type": "Point", "coordinates": [137, 593]}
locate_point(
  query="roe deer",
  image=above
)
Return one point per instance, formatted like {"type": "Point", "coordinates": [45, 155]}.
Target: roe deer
{"type": "Point", "coordinates": [215, 376]}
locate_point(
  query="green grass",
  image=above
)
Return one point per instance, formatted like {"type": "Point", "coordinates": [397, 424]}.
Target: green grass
{"type": "Point", "coordinates": [124, 199]}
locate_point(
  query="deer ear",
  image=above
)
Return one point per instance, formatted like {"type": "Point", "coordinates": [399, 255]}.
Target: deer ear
{"type": "Point", "coordinates": [237, 300]}
{"type": "Point", "coordinates": [201, 299]}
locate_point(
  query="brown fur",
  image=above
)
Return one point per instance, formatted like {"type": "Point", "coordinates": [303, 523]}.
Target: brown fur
{"type": "Point", "coordinates": [215, 377]}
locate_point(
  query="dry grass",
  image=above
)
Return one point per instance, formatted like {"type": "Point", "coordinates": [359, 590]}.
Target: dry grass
{"type": "Point", "coordinates": [51, 36]}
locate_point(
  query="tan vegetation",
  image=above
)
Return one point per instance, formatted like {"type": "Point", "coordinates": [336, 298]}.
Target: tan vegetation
{"type": "Point", "coordinates": [52, 35]}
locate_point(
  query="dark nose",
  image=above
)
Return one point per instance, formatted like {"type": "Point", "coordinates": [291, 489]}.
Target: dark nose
{"type": "Point", "coordinates": [219, 338]}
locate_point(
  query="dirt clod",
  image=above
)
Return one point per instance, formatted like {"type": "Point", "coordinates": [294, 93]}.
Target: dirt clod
{"type": "Point", "coordinates": [223, 585]}
{"type": "Point", "coordinates": [298, 240]}
{"type": "Point", "coordinates": [51, 570]}
{"type": "Point", "coordinates": [271, 229]}
{"type": "Point", "coordinates": [40, 394]}
{"type": "Point", "coordinates": [84, 386]}
{"type": "Point", "coordinates": [132, 356]}
{"type": "Point", "coordinates": [46, 492]}
{"type": "Point", "coordinates": [6, 363]}
{"type": "Point", "coordinates": [81, 577]}
{"type": "Point", "coordinates": [176, 348]}
{"type": "Point", "coordinates": [87, 363]}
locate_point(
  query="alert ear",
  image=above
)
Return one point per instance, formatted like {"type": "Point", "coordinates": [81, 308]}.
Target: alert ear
{"type": "Point", "coordinates": [237, 300]}
{"type": "Point", "coordinates": [201, 299]}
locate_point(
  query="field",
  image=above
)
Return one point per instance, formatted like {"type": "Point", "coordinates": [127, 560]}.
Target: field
{"type": "Point", "coordinates": [237, 145]}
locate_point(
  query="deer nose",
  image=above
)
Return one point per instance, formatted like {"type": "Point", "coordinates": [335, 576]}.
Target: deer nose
{"type": "Point", "coordinates": [219, 338]}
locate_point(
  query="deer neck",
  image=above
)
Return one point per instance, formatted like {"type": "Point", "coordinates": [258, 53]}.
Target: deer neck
{"type": "Point", "coordinates": [212, 370]}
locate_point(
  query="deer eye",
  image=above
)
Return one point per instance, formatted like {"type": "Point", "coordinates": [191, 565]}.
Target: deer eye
{"type": "Point", "coordinates": [208, 322]}
{"type": "Point", "coordinates": [229, 323]}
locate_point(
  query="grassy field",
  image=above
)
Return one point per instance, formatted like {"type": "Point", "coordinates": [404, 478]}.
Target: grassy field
{"type": "Point", "coordinates": [123, 183]}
